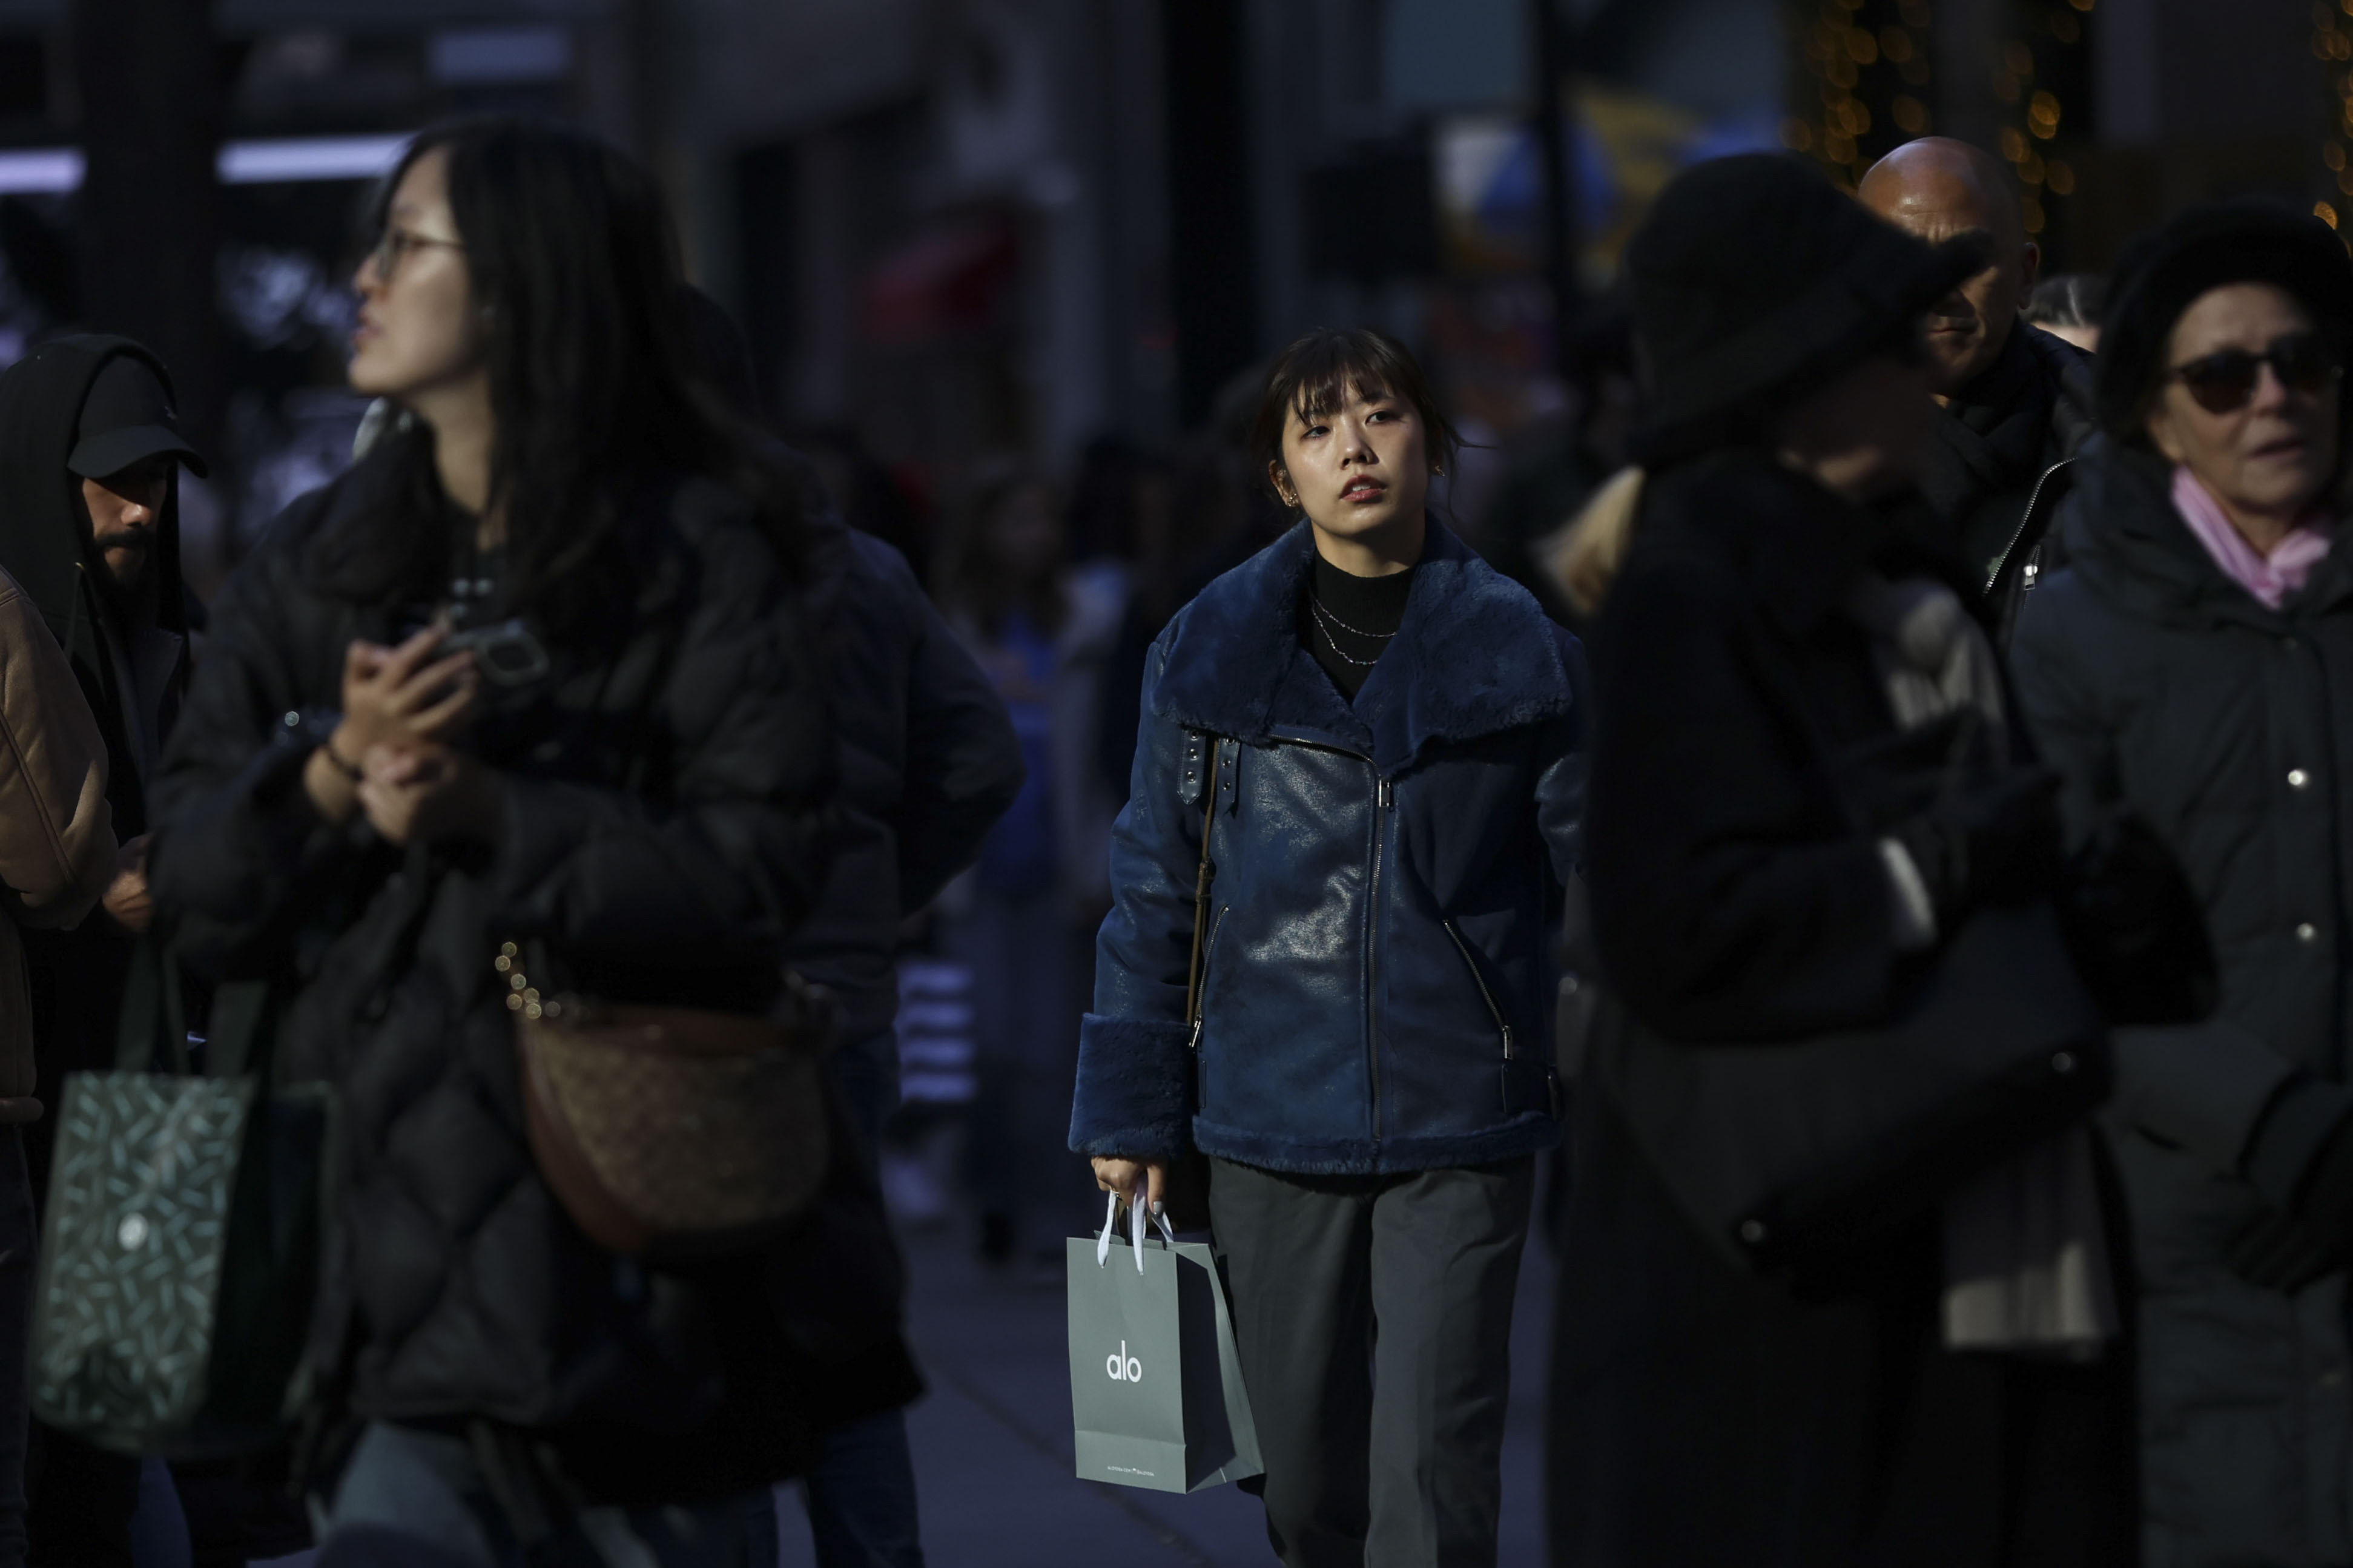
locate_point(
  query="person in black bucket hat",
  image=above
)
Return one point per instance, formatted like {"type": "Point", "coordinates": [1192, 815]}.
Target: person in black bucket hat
{"type": "Point", "coordinates": [1764, 869]}
{"type": "Point", "coordinates": [1753, 283]}
{"type": "Point", "coordinates": [2194, 663]}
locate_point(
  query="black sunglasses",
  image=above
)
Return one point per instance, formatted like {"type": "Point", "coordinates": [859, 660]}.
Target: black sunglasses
{"type": "Point", "coordinates": [2223, 382]}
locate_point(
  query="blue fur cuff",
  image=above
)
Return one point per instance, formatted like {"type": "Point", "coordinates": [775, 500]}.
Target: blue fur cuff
{"type": "Point", "coordinates": [1134, 1095]}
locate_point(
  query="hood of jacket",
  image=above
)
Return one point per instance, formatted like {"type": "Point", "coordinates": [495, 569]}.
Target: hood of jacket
{"type": "Point", "coordinates": [1474, 654]}
{"type": "Point", "coordinates": [2130, 545]}
{"type": "Point", "coordinates": [43, 527]}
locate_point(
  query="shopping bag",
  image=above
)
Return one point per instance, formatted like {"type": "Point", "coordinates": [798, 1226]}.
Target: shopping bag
{"type": "Point", "coordinates": [180, 1254]}
{"type": "Point", "coordinates": [1156, 1397]}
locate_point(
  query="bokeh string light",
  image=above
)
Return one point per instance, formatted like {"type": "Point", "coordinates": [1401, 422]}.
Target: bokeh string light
{"type": "Point", "coordinates": [1856, 54]}
{"type": "Point", "coordinates": [2332, 46]}
{"type": "Point", "coordinates": [2025, 80]}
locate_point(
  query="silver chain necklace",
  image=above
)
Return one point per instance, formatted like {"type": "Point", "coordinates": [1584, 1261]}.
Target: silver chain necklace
{"type": "Point", "coordinates": [1325, 620]}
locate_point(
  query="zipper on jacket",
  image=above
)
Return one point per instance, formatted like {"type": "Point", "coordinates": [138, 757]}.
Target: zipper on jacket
{"type": "Point", "coordinates": [1480, 981]}
{"type": "Point", "coordinates": [2034, 500]}
{"type": "Point", "coordinates": [1383, 796]}
{"type": "Point", "coordinates": [1208, 954]}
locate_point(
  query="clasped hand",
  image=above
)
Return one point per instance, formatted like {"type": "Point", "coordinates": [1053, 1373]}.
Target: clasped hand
{"type": "Point", "coordinates": [403, 711]}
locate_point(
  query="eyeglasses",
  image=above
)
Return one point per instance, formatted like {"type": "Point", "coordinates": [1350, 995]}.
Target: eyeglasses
{"type": "Point", "coordinates": [2223, 382]}
{"type": "Point", "coordinates": [394, 243]}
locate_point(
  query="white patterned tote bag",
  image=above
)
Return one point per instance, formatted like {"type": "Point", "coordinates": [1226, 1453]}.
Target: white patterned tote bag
{"type": "Point", "coordinates": [180, 1249]}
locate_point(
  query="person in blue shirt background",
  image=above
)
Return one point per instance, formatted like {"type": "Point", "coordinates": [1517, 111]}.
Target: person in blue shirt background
{"type": "Point", "coordinates": [1040, 630]}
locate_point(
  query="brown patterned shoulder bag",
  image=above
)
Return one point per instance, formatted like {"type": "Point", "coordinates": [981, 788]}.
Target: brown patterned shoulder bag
{"type": "Point", "coordinates": [674, 1134]}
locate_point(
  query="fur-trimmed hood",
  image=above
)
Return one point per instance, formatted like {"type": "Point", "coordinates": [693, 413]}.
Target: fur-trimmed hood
{"type": "Point", "coordinates": [1473, 656]}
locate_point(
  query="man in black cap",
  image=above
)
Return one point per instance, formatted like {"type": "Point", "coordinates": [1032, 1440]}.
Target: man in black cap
{"type": "Point", "coordinates": [2018, 400]}
{"type": "Point", "coordinates": [91, 450]}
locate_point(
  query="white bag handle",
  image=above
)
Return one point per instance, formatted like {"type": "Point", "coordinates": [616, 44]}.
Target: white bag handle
{"type": "Point", "coordinates": [1136, 1227]}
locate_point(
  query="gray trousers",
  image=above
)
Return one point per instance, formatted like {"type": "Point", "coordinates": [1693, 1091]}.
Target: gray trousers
{"type": "Point", "coordinates": [1373, 1316]}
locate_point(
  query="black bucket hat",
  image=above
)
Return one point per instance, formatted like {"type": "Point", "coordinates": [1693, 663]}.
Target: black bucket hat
{"type": "Point", "coordinates": [2162, 274]}
{"type": "Point", "coordinates": [1754, 280]}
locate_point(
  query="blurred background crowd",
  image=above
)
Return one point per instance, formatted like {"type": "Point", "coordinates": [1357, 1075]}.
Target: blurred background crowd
{"type": "Point", "coordinates": [1009, 268]}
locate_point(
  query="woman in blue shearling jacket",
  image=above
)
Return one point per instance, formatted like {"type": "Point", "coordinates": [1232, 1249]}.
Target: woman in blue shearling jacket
{"type": "Point", "coordinates": [1386, 739]}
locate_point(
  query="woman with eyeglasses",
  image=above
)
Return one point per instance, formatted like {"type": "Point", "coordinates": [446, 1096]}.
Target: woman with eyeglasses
{"type": "Point", "coordinates": [2194, 663]}
{"type": "Point", "coordinates": [631, 777]}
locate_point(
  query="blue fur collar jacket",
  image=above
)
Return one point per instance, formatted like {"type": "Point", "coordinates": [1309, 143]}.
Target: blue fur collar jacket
{"type": "Point", "coordinates": [1375, 990]}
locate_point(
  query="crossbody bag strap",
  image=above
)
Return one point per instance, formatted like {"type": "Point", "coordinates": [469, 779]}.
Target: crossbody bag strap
{"type": "Point", "coordinates": [1205, 878]}
{"type": "Point", "coordinates": [624, 722]}
{"type": "Point", "coordinates": [636, 717]}
{"type": "Point", "coordinates": [153, 1035]}
{"type": "Point", "coordinates": [240, 1038]}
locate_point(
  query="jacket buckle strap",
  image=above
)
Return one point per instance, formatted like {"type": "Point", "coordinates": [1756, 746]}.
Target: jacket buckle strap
{"type": "Point", "coordinates": [1193, 791]}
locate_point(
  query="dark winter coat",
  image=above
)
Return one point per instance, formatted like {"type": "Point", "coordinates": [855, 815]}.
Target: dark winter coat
{"type": "Point", "coordinates": [1701, 1415]}
{"type": "Point", "coordinates": [45, 545]}
{"type": "Point", "coordinates": [2153, 680]}
{"type": "Point", "coordinates": [76, 976]}
{"type": "Point", "coordinates": [929, 761]}
{"type": "Point", "coordinates": [1732, 900]}
{"type": "Point", "coordinates": [664, 828]}
{"type": "Point", "coordinates": [1994, 467]}
{"type": "Point", "coordinates": [1375, 986]}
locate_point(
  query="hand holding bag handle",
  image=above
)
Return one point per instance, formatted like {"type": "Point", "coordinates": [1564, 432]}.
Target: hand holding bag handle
{"type": "Point", "coordinates": [1136, 1207]}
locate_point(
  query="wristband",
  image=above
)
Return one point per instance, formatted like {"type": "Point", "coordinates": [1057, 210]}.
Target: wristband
{"type": "Point", "coordinates": [335, 760]}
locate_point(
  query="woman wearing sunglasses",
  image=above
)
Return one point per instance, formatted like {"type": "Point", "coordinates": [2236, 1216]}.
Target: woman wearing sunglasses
{"type": "Point", "coordinates": [2194, 663]}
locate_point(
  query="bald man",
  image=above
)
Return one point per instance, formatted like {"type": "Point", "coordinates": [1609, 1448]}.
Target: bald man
{"type": "Point", "coordinates": [2019, 400]}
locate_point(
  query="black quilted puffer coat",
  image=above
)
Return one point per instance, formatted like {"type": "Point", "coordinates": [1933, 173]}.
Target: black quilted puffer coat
{"type": "Point", "coordinates": [665, 827]}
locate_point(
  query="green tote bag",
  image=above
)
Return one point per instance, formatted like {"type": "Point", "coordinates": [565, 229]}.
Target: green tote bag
{"type": "Point", "coordinates": [180, 1251]}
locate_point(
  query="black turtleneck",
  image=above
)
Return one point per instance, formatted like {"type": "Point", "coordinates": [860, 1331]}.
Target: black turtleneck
{"type": "Point", "coordinates": [1345, 621]}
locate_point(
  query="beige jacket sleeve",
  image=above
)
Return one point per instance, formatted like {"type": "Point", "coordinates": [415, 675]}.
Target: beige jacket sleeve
{"type": "Point", "coordinates": [57, 833]}
{"type": "Point", "coordinates": [57, 836]}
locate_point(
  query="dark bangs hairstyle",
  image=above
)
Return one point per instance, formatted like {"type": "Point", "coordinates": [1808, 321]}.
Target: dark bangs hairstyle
{"type": "Point", "coordinates": [1313, 378]}
{"type": "Point", "coordinates": [594, 386]}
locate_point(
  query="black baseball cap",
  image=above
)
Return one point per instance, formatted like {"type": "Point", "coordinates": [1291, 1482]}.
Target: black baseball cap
{"type": "Point", "coordinates": [127, 418]}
